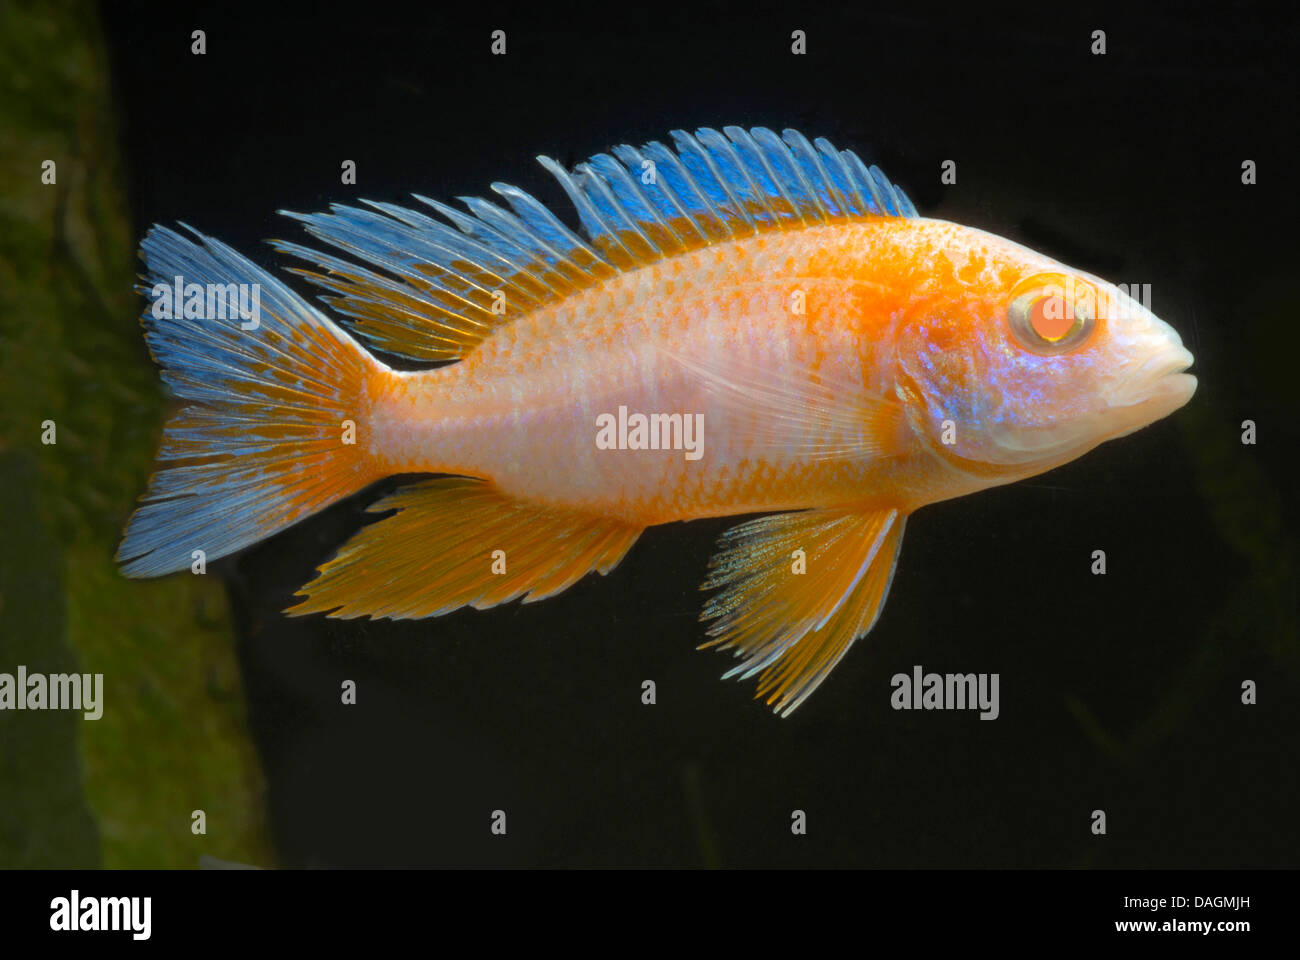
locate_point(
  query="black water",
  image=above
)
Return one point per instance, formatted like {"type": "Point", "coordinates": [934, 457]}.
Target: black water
{"type": "Point", "coordinates": [1120, 692]}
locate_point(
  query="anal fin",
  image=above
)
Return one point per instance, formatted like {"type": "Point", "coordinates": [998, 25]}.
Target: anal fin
{"type": "Point", "coordinates": [792, 628]}
{"type": "Point", "coordinates": [437, 553]}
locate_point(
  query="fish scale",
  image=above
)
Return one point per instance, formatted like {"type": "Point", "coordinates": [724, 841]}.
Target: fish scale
{"type": "Point", "coordinates": [576, 355]}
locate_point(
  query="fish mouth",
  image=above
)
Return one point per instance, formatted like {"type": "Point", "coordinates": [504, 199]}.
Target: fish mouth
{"type": "Point", "coordinates": [1156, 389]}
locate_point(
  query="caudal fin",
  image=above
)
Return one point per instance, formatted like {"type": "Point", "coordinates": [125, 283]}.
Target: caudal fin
{"type": "Point", "coordinates": [267, 441]}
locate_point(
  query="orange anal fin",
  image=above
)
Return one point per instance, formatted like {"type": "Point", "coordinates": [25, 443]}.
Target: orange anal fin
{"type": "Point", "coordinates": [793, 627]}
{"type": "Point", "coordinates": [458, 542]}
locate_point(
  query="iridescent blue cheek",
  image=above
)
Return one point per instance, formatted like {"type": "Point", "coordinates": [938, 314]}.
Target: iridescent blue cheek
{"type": "Point", "coordinates": [998, 389]}
{"type": "Point", "coordinates": [1038, 391]}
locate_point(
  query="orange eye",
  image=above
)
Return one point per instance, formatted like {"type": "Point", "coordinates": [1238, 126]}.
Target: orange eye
{"type": "Point", "coordinates": [1051, 312]}
{"type": "Point", "coordinates": [1051, 317]}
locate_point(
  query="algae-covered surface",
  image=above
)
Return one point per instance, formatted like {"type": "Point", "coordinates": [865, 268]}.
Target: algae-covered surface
{"type": "Point", "coordinates": [118, 791]}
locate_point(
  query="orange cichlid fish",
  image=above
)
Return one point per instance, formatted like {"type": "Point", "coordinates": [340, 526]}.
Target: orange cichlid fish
{"type": "Point", "coordinates": [754, 324]}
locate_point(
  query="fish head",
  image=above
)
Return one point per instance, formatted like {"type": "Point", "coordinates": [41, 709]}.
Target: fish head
{"type": "Point", "coordinates": [1015, 363]}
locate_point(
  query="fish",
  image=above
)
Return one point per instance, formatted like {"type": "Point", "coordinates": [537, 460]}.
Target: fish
{"type": "Point", "coordinates": [751, 325]}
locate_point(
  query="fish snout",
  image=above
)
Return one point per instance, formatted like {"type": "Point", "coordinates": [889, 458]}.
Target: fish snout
{"type": "Point", "coordinates": [1149, 359]}
{"type": "Point", "coordinates": [1159, 372]}
{"type": "Point", "coordinates": [1155, 387]}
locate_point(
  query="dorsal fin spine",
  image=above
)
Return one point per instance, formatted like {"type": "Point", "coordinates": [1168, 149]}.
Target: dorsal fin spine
{"type": "Point", "coordinates": [668, 167]}
{"type": "Point", "coordinates": [886, 188]}
{"type": "Point", "coordinates": [805, 200]}
{"type": "Point", "coordinates": [753, 155]}
{"type": "Point", "coordinates": [507, 228]}
{"type": "Point", "coordinates": [626, 186]}
{"type": "Point", "coordinates": [422, 224]}
{"type": "Point", "coordinates": [756, 169]}
{"type": "Point", "coordinates": [725, 154]}
{"type": "Point", "coordinates": [632, 229]}
{"type": "Point", "coordinates": [688, 146]}
{"type": "Point", "coordinates": [467, 244]}
{"type": "Point", "coordinates": [335, 228]}
{"type": "Point", "coordinates": [863, 175]}
{"type": "Point", "coordinates": [806, 159]}
{"type": "Point", "coordinates": [556, 238]}
{"type": "Point", "coordinates": [667, 205]}
{"type": "Point", "coordinates": [526, 287]}
{"type": "Point", "coordinates": [596, 226]}
{"type": "Point", "coordinates": [336, 265]}
{"type": "Point", "coordinates": [545, 225]}
{"type": "Point", "coordinates": [843, 180]}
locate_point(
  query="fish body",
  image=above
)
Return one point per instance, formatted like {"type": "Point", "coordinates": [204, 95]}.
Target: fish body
{"type": "Point", "coordinates": [510, 411]}
{"type": "Point", "coordinates": [768, 328]}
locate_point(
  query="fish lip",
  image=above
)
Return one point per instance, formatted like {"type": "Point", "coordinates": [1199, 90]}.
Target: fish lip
{"type": "Point", "coordinates": [1173, 384]}
{"type": "Point", "coordinates": [1161, 375]}
{"type": "Point", "coordinates": [1168, 393]}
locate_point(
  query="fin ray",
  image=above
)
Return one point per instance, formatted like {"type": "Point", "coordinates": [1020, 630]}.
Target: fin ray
{"type": "Point", "coordinates": [790, 628]}
{"type": "Point", "coordinates": [815, 416]}
{"type": "Point", "coordinates": [435, 554]}
{"type": "Point", "coordinates": [424, 288]}
{"type": "Point", "coordinates": [260, 446]}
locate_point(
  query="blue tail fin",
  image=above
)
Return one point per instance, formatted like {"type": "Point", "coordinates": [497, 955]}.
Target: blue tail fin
{"type": "Point", "coordinates": [274, 384]}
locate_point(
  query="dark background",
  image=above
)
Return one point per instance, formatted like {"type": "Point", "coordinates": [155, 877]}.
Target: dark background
{"type": "Point", "coordinates": [1119, 692]}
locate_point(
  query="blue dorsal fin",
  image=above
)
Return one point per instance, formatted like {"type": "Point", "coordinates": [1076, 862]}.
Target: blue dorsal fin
{"type": "Point", "coordinates": [427, 289]}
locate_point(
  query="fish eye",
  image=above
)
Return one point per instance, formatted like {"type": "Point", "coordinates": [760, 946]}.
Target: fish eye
{"type": "Point", "coordinates": [1052, 313]}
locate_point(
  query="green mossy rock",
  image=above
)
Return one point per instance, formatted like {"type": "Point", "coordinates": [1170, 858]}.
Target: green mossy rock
{"type": "Point", "coordinates": [173, 738]}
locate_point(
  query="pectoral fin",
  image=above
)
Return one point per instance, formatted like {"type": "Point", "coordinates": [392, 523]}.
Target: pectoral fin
{"type": "Point", "coordinates": [793, 627]}
{"type": "Point", "coordinates": [798, 410]}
